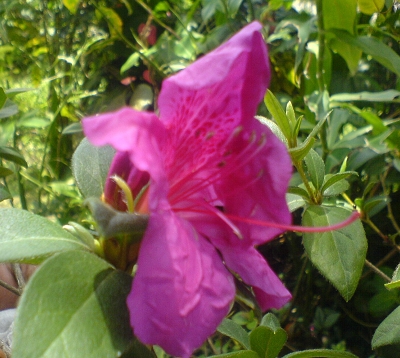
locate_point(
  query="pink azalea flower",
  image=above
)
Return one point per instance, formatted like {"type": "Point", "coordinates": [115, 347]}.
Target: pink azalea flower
{"type": "Point", "coordinates": [211, 169]}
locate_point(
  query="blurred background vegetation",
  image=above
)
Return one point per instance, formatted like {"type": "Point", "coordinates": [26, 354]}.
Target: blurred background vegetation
{"type": "Point", "coordinates": [62, 60]}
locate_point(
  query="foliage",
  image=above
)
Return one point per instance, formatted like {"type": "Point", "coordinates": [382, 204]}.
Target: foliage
{"type": "Point", "coordinates": [333, 101]}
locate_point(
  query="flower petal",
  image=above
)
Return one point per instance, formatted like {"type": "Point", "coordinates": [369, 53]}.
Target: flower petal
{"type": "Point", "coordinates": [141, 134]}
{"type": "Point", "coordinates": [255, 271]}
{"type": "Point", "coordinates": [203, 104]}
{"type": "Point", "coordinates": [181, 291]}
{"type": "Point", "coordinates": [254, 182]}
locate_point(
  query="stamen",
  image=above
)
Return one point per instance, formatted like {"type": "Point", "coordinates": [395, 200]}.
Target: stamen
{"type": "Point", "coordinates": [298, 228]}
{"type": "Point", "coordinates": [127, 192]}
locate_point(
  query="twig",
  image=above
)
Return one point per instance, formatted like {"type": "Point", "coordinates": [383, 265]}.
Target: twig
{"type": "Point", "coordinates": [10, 288]}
{"type": "Point", "coordinates": [377, 271]}
{"type": "Point", "coordinates": [19, 276]}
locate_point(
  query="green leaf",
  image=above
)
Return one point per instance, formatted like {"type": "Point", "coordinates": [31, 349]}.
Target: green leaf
{"type": "Point", "coordinates": [388, 332]}
{"type": "Point", "coordinates": [273, 127]}
{"type": "Point", "coordinates": [316, 168]}
{"type": "Point", "coordinates": [267, 342]}
{"type": "Point", "coordinates": [239, 354]}
{"type": "Point", "coordinates": [8, 110]}
{"type": "Point", "coordinates": [5, 172]}
{"type": "Point", "coordinates": [276, 110]}
{"type": "Point", "coordinates": [72, 129]}
{"type": "Point", "coordinates": [75, 303]}
{"type": "Point", "coordinates": [298, 191]}
{"type": "Point", "coordinates": [71, 5]}
{"type": "Point", "coordinates": [302, 150]}
{"type": "Point", "coordinates": [12, 155]}
{"type": "Point", "coordinates": [375, 204]}
{"type": "Point", "coordinates": [133, 60]}
{"type": "Point", "coordinates": [373, 47]}
{"type": "Point", "coordinates": [395, 279]}
{"type": "Point", "coordinates": [25, 237]}
{"type": "Point", "coordinates": [295, 202]}
{"type": "Point", "coordinates": [4, 194]}
{"type": "Point", "coordinates": [340, 14]}
{"type": "Point", "coordinates": [3, 97]}
{"type": "Point", "coordinates": [320, 353]}
{"type": "Point", "coordinates": [369, 7]}
{"type": "Point", "coordinates": [337, 188]}
{"type": "Point", "coordinates": [90, 166]}
{"type": "Point", "coordinates": [382, 96]}
{"type": "Point", "coordinates": [113, 20]}
{"type": "Point", "coordinates": [331, 179]}
{"type": "Point", "coordinates": [233, 330]}
{"type": "Point", "coordinates": [270, 321]}
{"type": "Point", "coordinates": [339, 255]}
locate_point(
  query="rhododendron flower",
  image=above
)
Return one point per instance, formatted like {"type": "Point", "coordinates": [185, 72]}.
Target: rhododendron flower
{"type": "Point", "coordinates": [208, 168]}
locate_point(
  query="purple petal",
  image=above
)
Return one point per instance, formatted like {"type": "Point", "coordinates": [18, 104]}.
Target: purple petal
{"type": "Point", "coordinates": [141, 134]}
{"type": "Point", "coordinates": [181, 291]}
{"type": "Point", "coordinates": [255, 271]}
{"type": "Point", "coordinates": [203, 104]}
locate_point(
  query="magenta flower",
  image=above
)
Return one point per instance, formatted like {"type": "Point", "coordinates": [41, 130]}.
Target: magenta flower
{"type": "Point", "coordinates": [211, 169]}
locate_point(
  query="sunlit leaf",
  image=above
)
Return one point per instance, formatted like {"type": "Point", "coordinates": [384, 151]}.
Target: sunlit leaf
{"type": "Point", "coordinates": [90, 166]}
{"type": "Point", "coordinates": [75, 303]}
{"type": "Point", "coordinates": [233, 330]}
{"type": "Point", "coordinates": [25, 237]}
{"type": "Point", "coordinates": [370, 6]}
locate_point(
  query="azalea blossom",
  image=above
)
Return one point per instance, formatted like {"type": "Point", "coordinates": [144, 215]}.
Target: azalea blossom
{"type": "Point", "coordinates": [205, 170]}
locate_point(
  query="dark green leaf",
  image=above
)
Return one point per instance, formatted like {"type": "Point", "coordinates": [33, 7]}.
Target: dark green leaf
{"type": "Point", "coordinates": [90, 166]}
{"type": "Point", "coordinates": [12, 155]}
{"type": "Point", "coordinates": [388, 332]}
{"type": "Point", "coordinates": [76, 304]}
{"type": "Point", "coordinates": [315, 168]}
{"type": "Point", "coordinates": [267, 342]}
{"type": "Point", "coordinates": [30, 238]}
{"type": "Point", "coordinates": [5, 172]}
{"type": "Point", "coordinates": [373, 47]}
{"type": "Point", "coordinates": [375, 204]}
{"type": "Point", "coordinates": [233, 330]}
{"type": "Point", "coordinates": [298, 191]}
{"type": "Point", "coordinates": [339, 255]}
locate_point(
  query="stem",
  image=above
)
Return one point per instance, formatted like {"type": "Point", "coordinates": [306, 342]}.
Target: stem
{"type": "Point", "coordinates": [389, 205]}
{"type": "Point", "coordinates": [158, 21]}
{"type": "Point", "coordinates": [251, 10]}
{"type": "Point", "coordinates": [10, 288]}
{"type": "Point", "coordinates": [377, 271]}
{"type": "Point", "coordinates": [320, 73]}
{"type": "Point", "coordinates": [375, 228]}
{"type": "Point", "coordinates": [299, 167]}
